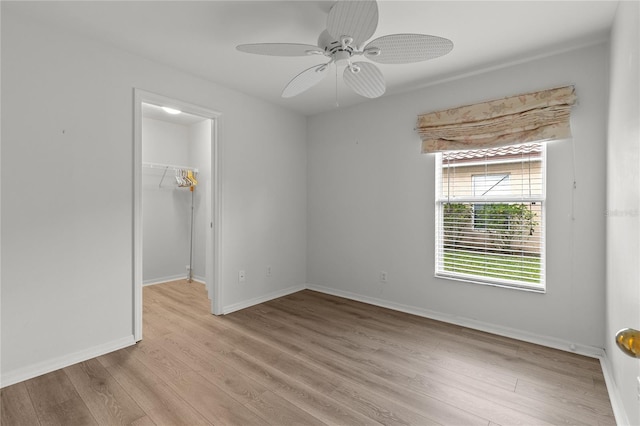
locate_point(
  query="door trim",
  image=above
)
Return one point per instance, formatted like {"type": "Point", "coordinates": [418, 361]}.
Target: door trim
{"type": "Point", "coordinates": [140, 97]}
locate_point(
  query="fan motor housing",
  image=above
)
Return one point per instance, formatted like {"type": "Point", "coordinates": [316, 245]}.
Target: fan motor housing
{"type": "Point", "coordinates": [334, 48]}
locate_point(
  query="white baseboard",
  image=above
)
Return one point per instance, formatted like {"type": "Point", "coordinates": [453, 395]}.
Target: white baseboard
{"type": "Point", "coordinates": [261, 299]}
{"type": "Point", "coordinates": [29, 372]}
{"type": "Point", "coordinates": [552, 342]}
{"type": "Point", "coordinates": [163, 280]}
{"type": "Point", "coordinates": [614, 395]}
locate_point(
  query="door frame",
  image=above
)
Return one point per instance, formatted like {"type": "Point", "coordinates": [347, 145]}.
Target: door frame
{"type": "Point", "coordinates": [213, 280]}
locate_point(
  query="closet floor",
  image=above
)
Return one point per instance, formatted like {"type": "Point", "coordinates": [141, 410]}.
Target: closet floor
{"type": "Point", "coordinates": [306, 359]}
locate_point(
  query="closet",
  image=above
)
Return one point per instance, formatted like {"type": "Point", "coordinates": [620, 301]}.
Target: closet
{"type": "Point", "coordinates": [176, 195]}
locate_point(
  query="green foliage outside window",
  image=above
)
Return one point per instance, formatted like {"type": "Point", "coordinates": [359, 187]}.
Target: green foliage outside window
{"type": "Point", "coordinates": [505, 222]}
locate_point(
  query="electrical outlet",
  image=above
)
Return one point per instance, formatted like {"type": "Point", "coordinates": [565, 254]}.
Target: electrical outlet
{"type": "Point", "coordinates": [383, 277]}
{"type": "Point", "coordinates": [268, 271]}
{"type": "Point", "coordinates": [242, 277]}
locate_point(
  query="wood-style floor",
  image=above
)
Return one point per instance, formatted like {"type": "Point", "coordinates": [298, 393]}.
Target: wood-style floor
{"type": "Point", "coordinates": [311, 359]}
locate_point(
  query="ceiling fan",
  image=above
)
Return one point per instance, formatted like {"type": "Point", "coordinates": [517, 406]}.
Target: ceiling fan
{"type": "Point", "coordinates": [349, 25]}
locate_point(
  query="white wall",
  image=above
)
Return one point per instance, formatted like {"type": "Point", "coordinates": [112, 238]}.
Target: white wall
{"type": "Point", "coordinates": [200, 155]}
{"type": "Point", "coordinates": [67, 134]}
{"type": "Point", "coordinates": [371, 207]}
{"type": "Point", "coordinates": [623, 202]}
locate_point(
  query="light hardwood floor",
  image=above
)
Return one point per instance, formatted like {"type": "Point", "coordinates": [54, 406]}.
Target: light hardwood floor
{"type": "Point", "coordinates": [311, 359]}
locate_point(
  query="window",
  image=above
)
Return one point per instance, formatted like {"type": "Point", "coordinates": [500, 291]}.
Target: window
{"type": "Point", "coordinates": [490, 216]}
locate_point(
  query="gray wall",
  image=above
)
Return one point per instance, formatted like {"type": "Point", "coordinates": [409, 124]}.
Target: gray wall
{"type": "Point", "coordinates": [67, 191]}
{"type": "Point", "coordinates": [200, 137]}
{"type": "Point", "coordinates": [371, 207]}
{"type": "Point", "coordinates": [623, 202]}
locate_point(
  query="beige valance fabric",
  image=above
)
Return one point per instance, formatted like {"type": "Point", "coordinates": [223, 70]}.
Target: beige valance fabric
{"type": "Point", "coordinates": [536, 116]}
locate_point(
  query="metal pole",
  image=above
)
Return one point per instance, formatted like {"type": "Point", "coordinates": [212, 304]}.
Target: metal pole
{"type": "Point", "coordinates": [190, 277]}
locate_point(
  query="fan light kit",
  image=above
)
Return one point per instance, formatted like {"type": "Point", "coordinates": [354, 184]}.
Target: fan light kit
{"type": "Point", "coordinates": [349, 25]}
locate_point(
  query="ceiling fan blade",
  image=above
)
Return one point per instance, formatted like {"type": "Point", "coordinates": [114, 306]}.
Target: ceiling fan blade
{"type": "Point", "coordinates": [357, 19]}
{"type": "Point", "coordinates": [368, 81]}
{"type": "Point", "coordinates": [280, 49]}
{"type": "Point", "coordinates": [407, 48]}
{"type": "Point", "coordinates": [305, 80]}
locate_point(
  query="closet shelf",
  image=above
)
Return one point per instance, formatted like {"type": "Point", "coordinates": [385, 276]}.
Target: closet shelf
{"type": "Point", "coordinates": [172, 167]}
{"type": "Point", "coordinates": [182, 170]}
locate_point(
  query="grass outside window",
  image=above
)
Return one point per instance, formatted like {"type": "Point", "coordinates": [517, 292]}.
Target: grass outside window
{"type": "Point", "coordinates": [526, 269]}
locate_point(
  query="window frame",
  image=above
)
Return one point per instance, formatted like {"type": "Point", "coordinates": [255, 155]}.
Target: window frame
{"type": "Point", "coordinates": [440, 202]}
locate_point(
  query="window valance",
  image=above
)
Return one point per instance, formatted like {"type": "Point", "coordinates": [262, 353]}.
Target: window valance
{"type": "Point", "coordinates": [531, 117]}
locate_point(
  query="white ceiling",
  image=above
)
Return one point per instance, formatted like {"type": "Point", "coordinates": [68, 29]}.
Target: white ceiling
{"type": "Point", "coordinates": [199, 37]}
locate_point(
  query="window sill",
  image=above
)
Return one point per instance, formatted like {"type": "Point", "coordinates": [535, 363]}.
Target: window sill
{"type": "Point", "coordinates": [475, 280]}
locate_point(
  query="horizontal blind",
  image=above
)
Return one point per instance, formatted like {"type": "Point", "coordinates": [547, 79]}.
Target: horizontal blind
{"type": "Point", "coordinates": [490, 215]}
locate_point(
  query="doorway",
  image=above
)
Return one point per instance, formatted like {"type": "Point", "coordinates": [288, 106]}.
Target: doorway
{"type": "Point", "coordinates": [176, 197]}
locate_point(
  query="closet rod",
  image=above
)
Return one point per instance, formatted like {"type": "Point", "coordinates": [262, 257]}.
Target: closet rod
{"type": "Point", "coordinates": [169, 167]}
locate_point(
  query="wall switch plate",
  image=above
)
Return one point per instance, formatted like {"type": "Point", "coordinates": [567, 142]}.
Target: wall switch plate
{"type": "Point", "coordinates": [383, 277]}
{"type": "Point", "coordinates": [242, 277]}
{"type": "Point", "coordinates": [268, 271]}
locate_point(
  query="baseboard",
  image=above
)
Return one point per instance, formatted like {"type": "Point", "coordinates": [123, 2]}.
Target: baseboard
{"type": "Point", "coordinates": [163, 280]}
{"type": "Point", "coordinates": [614, 395]}
{"type": "Point", "coordinates": [29, 372]}
{"type": "Point", "coordinates": [590, 351]}
{"type": "Point", "coordinates": [261, 299]}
